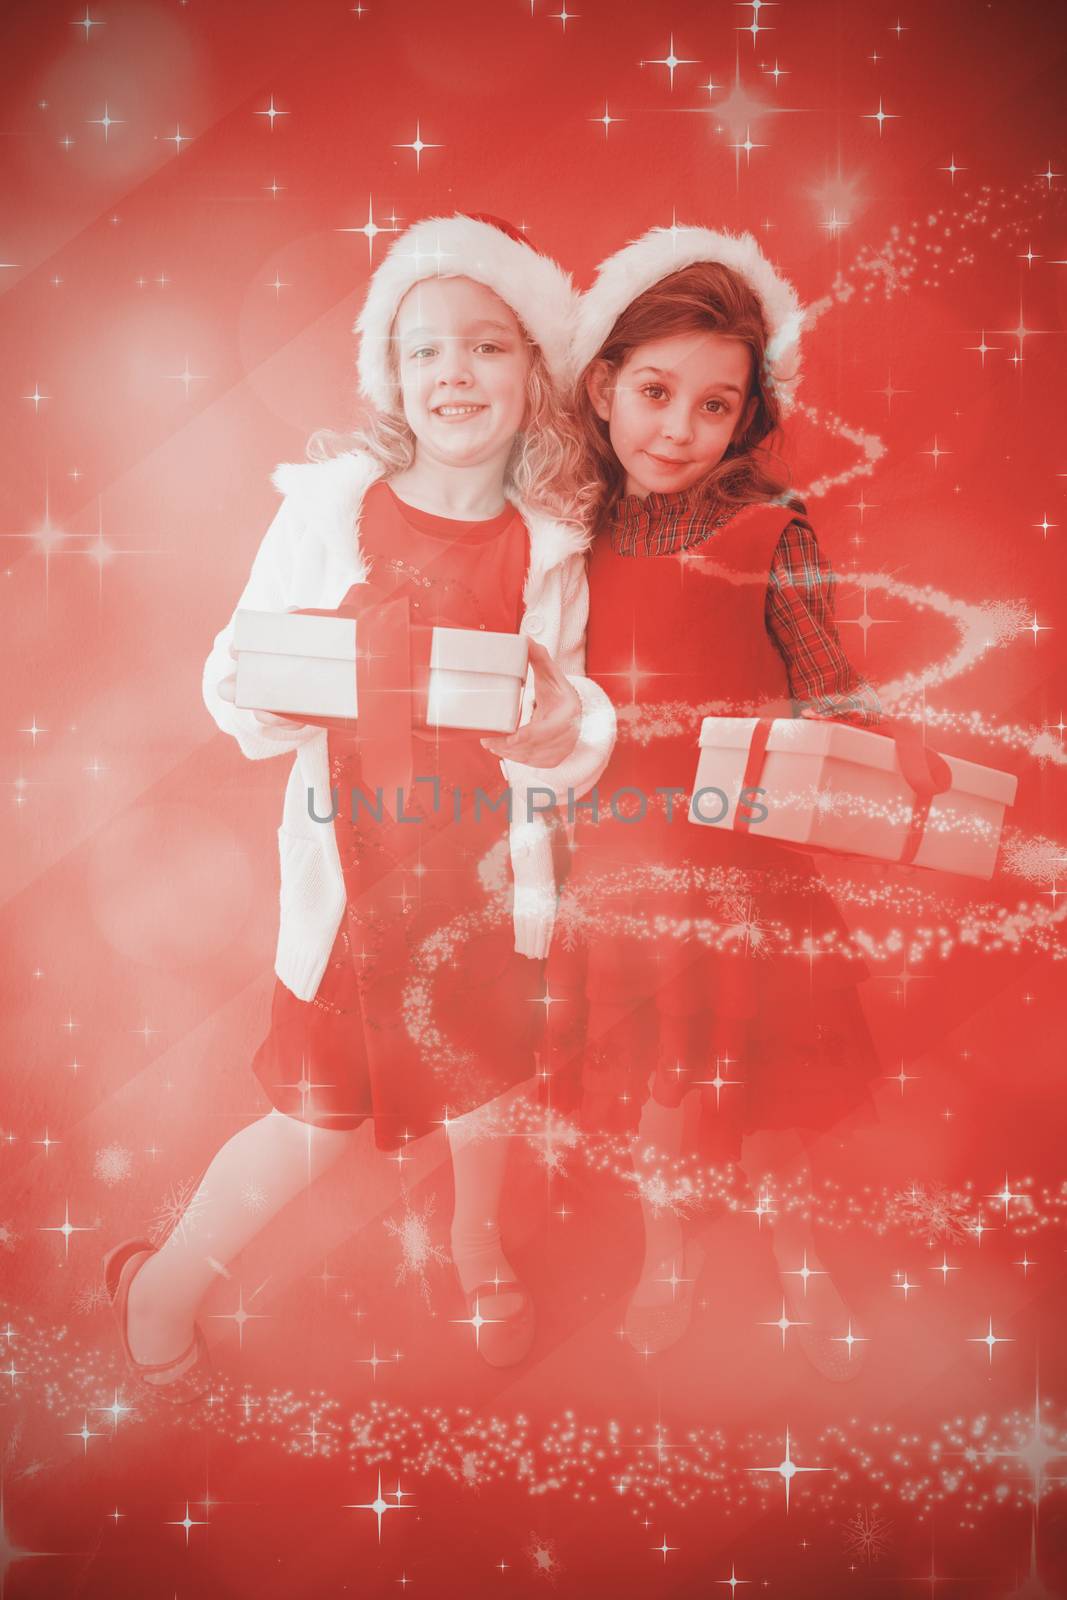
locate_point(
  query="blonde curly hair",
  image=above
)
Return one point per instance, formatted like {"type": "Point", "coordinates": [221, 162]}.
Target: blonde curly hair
{"type": "Point", "coordinates": [546, 469]}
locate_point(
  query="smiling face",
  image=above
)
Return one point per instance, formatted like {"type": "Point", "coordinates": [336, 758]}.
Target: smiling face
{"type": "Point", "coordinates": [463, 363]}
{"type": "Point", "coordinates": [673, 407]}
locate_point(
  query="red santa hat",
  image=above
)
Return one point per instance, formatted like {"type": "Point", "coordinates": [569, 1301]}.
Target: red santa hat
{"type": "Point", "coordinates": [663, 251]}
{"type": "Point", "coordinates": [485, 249]}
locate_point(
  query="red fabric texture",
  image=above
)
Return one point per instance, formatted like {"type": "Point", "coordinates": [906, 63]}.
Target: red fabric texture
{"type": "Point", "coordinates": [348, 1054]}
{"type": "Point", "coordinates": [640, 996]}
{"type": "Point", "coordinates": [800, 596]}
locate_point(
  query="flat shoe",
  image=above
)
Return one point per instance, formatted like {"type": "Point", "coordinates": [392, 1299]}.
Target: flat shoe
{"type": "Point", "coordinates": [832, 1357]}
{"type": "Point", "coordinates": [189, 1373]}
{"type": "Point", "coordinates": [650, 1329]}
{"type": "Point", "coordinates": [503, 1341]}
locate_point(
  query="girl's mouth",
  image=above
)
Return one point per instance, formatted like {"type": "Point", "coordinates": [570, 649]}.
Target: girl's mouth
{"type": "Point", "coordinates": [457, 413]}
{"type": "Point", "coordinates": [666, 461]}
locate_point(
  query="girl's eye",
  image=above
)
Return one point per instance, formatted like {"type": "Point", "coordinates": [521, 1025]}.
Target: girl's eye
{"type": "Point", "coordinates": [720, 403]}
{"type": "Point", "coordinates": [487, 347]}
{"type": "Point", "coordinates": [654, 391]}
{"type": "Point", "coordinates": [423, 350]}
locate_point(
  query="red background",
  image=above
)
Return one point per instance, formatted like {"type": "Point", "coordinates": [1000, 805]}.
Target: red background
{"type": "Point", "coordinates": [139, 882]}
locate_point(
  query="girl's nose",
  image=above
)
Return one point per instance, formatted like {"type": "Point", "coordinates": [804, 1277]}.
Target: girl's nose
{"type": "Point", "coordinates": [676, 425]}
{"type": "Point", "coordinates": [455, 365]}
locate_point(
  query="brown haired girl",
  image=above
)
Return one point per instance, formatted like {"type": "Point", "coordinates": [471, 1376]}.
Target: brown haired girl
{"type": "Point", "coordinates": [691, 958]}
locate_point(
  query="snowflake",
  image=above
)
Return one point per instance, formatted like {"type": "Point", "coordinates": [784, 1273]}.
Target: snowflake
{"type": "Point", "coordinates": [417, 1249]}
{"type": "Point", "coordinates": [574, 923]}
{"type": "Point", "coordinates": [91, 1297]}
{"type": "Point", "coordinates": [678, 1198]}
{"type": "Point", "coordinates": [866, 1535]}
{"type": "Point", "coordinates": [1043, 747]}
{"type": "Point", "coordinates": [253, 1197]}
{"type": "Point", "coordinates": [176, 1211]}
{"type": "Point", "coordinates": [744, 927]}
{"type": "Point", "coordinates": [113, 1164]}
{"type": "Point", "coordinates": [8, 1236]}
{"type": "Point", "coordinates": [542, 1556]}
{"type": "Point", "coordinates": [931, 1212]}
{"type": "Point", "coordinates": [551, 1141]}
{"type": "Point", "coordinates": [1032, 857]}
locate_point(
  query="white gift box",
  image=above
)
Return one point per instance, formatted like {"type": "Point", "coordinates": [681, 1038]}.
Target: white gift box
{"type": "Point", "coordinates": [476, 679]}
{"type": "Point", "coordinates": [295, 664]}
{"type": "Point", "coordinates": [306, 666]}
{"type": "Point", "coordinates": [834, 787]}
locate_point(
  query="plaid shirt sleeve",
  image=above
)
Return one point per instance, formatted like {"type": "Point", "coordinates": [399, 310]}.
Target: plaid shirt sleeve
{"type": "Point", "coordinates": [800, 620]}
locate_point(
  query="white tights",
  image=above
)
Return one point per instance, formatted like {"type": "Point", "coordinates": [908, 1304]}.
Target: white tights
{"type": "Point", "coordinates": [279, 1157]}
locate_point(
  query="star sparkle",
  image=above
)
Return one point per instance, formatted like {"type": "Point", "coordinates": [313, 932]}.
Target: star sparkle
{"type": "Point", "coordinates": [944, 1267]}
{"type": "Point", "coordinates": [755, 27]}
{"type": "Point", "coordinates": [85, 1433]}
{"type": "Point", "coordinates": [369, 229]}
{"type": "Point", "coordinates": [983, 349]}
{"type": "Point", "coordinates": [185, 377]}
{"type": "Point", "coordinates": [272, 113]}
{"type": "Point", "coordinates": [671, 61]}
{"type": "Point", "coordinates": [241, 1315]}
{"type": "Point", "coordinates": [1005, 1196]}
{"type": "Point", "coordinates": [733, 1582]}
{"type": "Point", "coordinates": [379, 1505]}
{"type": "Point", "coordinates": [901, 1078]}
{"type": "Point", "coordinates": [88, 23]}
{"type": "Point", "coordinates": [418, 145]}
{"type": "Point", "coordinates": [188, 1523]}
{"type": "Point", "coordinates": [804, 1273]}
{"type": "Point", "coordinates": [476, 1319]}
{"type": "Point", "coordinates": [889, 392]}
{"type": "Point", "coordinates": [849, 1339]}
{"type": "Point", "coordinates": [606, 120]}
{"type": "Point", "coordinates": [787, 1469]}
{"type": "Point", "coordinates": [67, 1229]}
{"type": "Point", "coordinates": [990, 1340]}
{"type": "Point", "coordinates": [107, 122]}
{"type": "Point", "coordinates": [881, 116]}
{"type": "Point", "coordinates": [783, 1322]}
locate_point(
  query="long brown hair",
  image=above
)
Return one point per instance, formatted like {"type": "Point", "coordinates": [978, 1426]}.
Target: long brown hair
{"type": "Point", "coordinates": [706, 297]}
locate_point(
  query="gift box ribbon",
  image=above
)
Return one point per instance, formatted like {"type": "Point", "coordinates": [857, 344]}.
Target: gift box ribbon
{"type": "Point", "coordinates": [392, 669]}
{"type": "Point", "coordinates": [926, 773]}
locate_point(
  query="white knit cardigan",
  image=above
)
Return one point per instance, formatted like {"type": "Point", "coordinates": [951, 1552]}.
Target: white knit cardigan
{"type": "Point", "coordinates": [310, 556]}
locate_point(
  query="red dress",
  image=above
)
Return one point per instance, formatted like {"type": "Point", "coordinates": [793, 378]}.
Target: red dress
{"type": "Point", "coordinates": [392, 1033]}
{"type": "Point", "coordinates": [677, 959]}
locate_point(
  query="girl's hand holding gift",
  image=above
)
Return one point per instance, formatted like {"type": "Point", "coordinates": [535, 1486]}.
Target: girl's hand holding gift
{"type": "Point", "coordinates": [227, 690]}
{"type": "Point", "coordinates": [552, 732]}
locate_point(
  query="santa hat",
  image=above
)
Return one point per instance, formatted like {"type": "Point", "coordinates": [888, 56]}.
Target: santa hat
{"type": "Point", "coordinates": [663, 251]}
{"type": "Point", "coordinates": [536, 288]}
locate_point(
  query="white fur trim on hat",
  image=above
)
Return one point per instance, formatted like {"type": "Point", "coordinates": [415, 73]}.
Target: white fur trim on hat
{"type": "Point", "coordinates": [535, 287]}
{"type": "Point", "coordinates": [662, 251]}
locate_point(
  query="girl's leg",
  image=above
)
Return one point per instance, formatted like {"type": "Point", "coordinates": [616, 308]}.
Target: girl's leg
{"type": "Point", "coordinates": [682, 1045]}
{"type": "Point", "coordinates": [480, 1147]}
{"type": "Point", "coordinates": [280, 1156]}
{"type": "Point", "coordinates": [780, 1154]}
{"type": "Point", "coordinates": [775, 1156]}
{"type": "Point", "coordinates": [659, 1143]}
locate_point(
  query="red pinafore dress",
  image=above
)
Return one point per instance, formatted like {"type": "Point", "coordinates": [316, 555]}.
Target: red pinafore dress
{"type": "Point", "coordinates": [424, 1009]}
{"type": "Point", "coordinates": [684, 956]}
